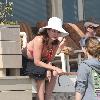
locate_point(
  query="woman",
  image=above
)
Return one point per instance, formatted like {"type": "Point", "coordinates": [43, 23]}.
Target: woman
{"type": "Point", "coordinates": [41, 50]}
{"type": "Point", "coordinates": [85, 84]}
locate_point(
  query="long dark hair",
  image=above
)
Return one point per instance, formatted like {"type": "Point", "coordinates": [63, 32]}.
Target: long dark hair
{"type": "Point", "coordinates": [46, 37]}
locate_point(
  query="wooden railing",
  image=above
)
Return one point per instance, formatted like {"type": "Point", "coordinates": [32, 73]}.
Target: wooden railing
{"type": "Point", "coordinates": [65, 59]}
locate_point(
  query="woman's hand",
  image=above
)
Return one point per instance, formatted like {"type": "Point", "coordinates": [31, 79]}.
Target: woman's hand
{"type": "Point", "coordinates": [55, 73]}
{"type": "Point", "coordinates": [58, 70]}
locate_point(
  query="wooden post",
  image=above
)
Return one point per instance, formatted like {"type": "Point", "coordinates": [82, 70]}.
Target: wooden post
{"type": "Point", "coordinates": [79, 52]}
{"type": "Point", "coordinates": [68, 65]}
{"type": "Point", "coordinates": [63, 61]}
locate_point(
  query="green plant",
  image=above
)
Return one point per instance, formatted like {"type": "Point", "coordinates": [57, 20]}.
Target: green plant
{"type": "Point", "coordinates": [6, 12]}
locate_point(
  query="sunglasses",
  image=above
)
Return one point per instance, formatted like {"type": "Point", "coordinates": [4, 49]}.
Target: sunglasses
{"type": "Point", "coordinates": [91, 27]}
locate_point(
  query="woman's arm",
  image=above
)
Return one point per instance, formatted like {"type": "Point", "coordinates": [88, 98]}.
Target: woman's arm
{"type": "Point", "coordinates": [81, 81]}
{"type": "Point", "coordinates": [37, 49]}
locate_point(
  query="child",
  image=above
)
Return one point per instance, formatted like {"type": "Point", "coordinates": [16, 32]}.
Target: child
{"type": "Point", "coordinates": [85, 83]}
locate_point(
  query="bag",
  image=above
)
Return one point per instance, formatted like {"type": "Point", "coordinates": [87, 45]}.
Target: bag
{"type": "Point", "coordinates": [96, 81]}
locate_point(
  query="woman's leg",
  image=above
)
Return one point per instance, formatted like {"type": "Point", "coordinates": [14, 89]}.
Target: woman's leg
{"type": "Point", "coordinates": [50, 86]}
{"type": "Point", "coordinates": [40, 89]}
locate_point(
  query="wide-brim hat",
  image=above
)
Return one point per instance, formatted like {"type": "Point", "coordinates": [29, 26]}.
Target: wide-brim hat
{"type": "Point", "coordinates": [87, 24]}
{"type": "Point", "coordinates": [55, 23]}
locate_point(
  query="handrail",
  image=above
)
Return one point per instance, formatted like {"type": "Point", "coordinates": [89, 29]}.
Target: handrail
{"type": "Point", "coordinates": [69, 73]}
{"type": "Point", "coordinates": [65, 60]}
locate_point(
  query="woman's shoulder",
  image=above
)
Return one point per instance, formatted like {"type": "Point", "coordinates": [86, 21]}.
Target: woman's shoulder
{"type": "Point", "coordinates": [38, 38]}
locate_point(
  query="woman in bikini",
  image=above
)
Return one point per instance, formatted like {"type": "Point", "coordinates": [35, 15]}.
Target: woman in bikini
{"type": "Point", "coordinates": [41, 51]}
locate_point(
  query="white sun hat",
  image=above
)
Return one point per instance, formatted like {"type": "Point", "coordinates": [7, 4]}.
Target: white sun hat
{"type": "Point", "coordinates": [55, 23]}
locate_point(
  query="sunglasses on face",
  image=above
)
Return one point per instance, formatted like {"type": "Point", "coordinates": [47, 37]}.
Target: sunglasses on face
{"type": "Point", "coordinates": [91, 27]}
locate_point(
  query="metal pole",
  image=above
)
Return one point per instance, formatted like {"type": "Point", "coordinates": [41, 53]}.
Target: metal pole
{"type": "Point", "coordinates": [80, 9]}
